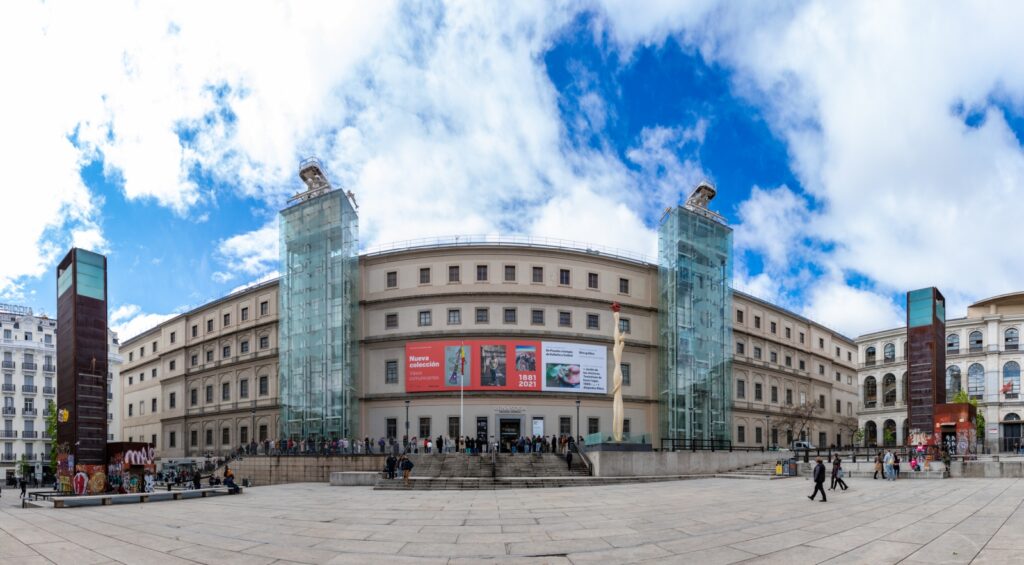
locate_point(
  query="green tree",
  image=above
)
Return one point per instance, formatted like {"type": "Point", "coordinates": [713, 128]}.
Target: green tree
{"type": "Point", "coordinates": [961, 397]}
{"type": "Point", "coordinates": [51, 431]}
{"type": "Point", "coordinates": [858, 436]}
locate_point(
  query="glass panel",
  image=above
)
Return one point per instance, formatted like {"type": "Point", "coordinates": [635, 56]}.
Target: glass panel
{"type": "Point", "coordinates": [90, 275]}
{"type": "Point", "coordinates": [695, 268]}
{"type": "Point", "coordinates": [319, 296]}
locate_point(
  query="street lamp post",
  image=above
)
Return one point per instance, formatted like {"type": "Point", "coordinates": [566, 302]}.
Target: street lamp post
{"type": "Point", "coordinates": [577, 419]}
{"type": "Point", "coordinates": [768, 430]}
{"type": "Point", "coordinates": [406, 440]}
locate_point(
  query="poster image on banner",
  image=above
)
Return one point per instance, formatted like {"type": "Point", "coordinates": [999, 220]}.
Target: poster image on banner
{"type": "Point", "coordinates": [493, 366]}
{"type": "Point", "coordinates": [574, 367]}
{"type": "Point", "coordinates": [456, 366]}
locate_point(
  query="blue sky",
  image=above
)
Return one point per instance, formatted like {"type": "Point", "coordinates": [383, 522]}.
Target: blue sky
{"type": "Point", "coordinates": [851, 167]}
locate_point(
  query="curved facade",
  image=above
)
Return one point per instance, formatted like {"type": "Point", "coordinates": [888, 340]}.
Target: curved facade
{"type": "Point", "coordinates": [508, 294]}
{"type": "Point", "coordinates": [983, 358]}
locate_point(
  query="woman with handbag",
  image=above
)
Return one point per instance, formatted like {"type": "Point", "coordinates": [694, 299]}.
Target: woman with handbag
{"type": "Point", "coordinates": [837, 474]}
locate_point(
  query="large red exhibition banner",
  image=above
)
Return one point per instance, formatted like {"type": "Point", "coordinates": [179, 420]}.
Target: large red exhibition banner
{"type": "Point", "coordinates": [485, 364]}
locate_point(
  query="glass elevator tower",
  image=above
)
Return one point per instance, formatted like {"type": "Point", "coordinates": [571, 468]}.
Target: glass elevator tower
{"type": "Point", "coordinates": [319, 301]}
{"type": "Point", "coordinates": [695, 303]}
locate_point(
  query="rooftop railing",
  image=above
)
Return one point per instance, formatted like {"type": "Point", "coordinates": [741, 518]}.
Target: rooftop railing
{"type": "Point", "coordinates": [505, 241]}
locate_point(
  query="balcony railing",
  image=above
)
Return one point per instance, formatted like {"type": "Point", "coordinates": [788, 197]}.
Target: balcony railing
{"type": "Point", "coordinates": [44, 434]}
{"type": "Point", "coordinates": [27, 366]}
{"type": "Point", "coordinates": [49, 390]}
{"type": "Point", "coordinates": [10, 387]}
{"type": "Point", "coordinates": [8, 434]}
{"type": "Point", "coordinates": [7, 364]}
{"type": "Point", "coordinates": [46, 413]}
{"type": "Point", "coordinates": [25, 434]}
{"type": "Point", "coordinates": [49, 368]}
{"type": "Point", "coordinates": [29, 389]}
{"type": "Point", "coordinates": [8, 457]}
{"type": "Point", "coordinates": [10, 411]}
{"type": "Point", "coordinates": [29, 412]}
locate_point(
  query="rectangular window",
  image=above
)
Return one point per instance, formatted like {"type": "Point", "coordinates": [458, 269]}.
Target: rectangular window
{"type": "Point", "coordinates": [593, 425]}
{"type": "Point", "coordinates": [264, 308]}
{"type": "Point", "coordinates": [390, 321]}
{"type": "Point", "coordinates": [789, 397]}
{"type": "Point", "coordinates": [243, 388]}
{"type": "Point", "coordinates": [593, 322]}
{"type": "Point", "coordinates": [227, 322]}
{"type": "Point", "coordinates": [625, 426]}
{"type": "Point", "coordinates": [789, 333]}
{"type": "Point", "coordinates": [773, 327]}
{"type": "Point", "coordinates": [741, 388]}
{"type": "Point", "coordinates": [245, 313]}
{"type": "Point", "coordinates": [392, 279]}
{"type": "Point", "coordinates": [153, 406]}
{"type": "Point", "coordinates": [263, 432]}
{"type": "Point", "coordinates": [209, 356]}
{"type": "Point", "coordinates": [626, 371]}
{"type": "Point", "coordinates": [194, 397]}
{"type": "Point", "coordinates": [174, 337]}
{"type": "Point", "coordinates": [563, 277]}
{"type": "Point", "coordinates": [264, 342]}
{"type": "Point", "coordinates": [194, 438]}
{"type": "Point", "coordinates": [564, 319]}
{"type": "Point", "coordinates": [839, 377]}
{"type": "Point", "coordinates": [225, 436]}
{"type": "Point", "coordinates": [483, 315]}
{"type": "Point", "coordinates": [839, 407]}
{"type": "Point", "coordinates": [453, 273]}
{"type": "Point", "coordinates": [481, 273]}
{"type": "Point", "coordinates": [225, 391]}
{"type": "Point", "coordinates": [592, 280]}
{"type": "Point", "coordinates": [758, 392]}
{"type": "Point", "coordinates": [821, 369]}
{"type": "Point", "coordinates": [131, 409]}
{"type": "Point", "coordinates": [509, 315]}
{"type": "Point", "coordinates": [740, 348]}
{"type": "Point", "coordinates": [209, 437]}
{"type": "Point", "coordinates": [624, 325]}
{"type": "Point", "coordinates": [264, 386]}
{"type": "Point", "coordinates": [425, 275]}
{"type": "Point", "coordinates": [565, 425]}
{"type": "Point", "coordinates": [195, 330]}
{"type": "Point", "coordinates": [209, 325]}
{"type": "Point", "coordinates": [538, 274]}
{"type": "Point", "coordinates": [803, 398]}
{"type": "Point", "coordinates": [837, 352]}
{"type": "Point", "coordinates": [454, 316]}
{"type": "Point", "coordinates": [225, 352]}
{"type": "Point", "coordinates": [425, 427]}
{"type": "Point", "coordinates": [801, 337]}
{"type": "Point", "coordinates": [757, 322]}
{"type": "Point", "coordinates": [171, 439]}
{"type": "Point", "coordinates": [172, 400]}
{"type": "Point", "coordinates": [821, 343]}
{"type": "Point", "coordinates": [153, 347]}
{"type": "Point", "coordinates": [391, 427]}
{"type": "Point", "coordinates": [510, 273]}
{"type": "Point", "coordinates": [775, 394]}
{"type": "Point", "coordinates": [243, 435]}
{"type": "Point", "coordinates": [243, 347]}
{"type": "Point", "coordinates": [757, 352]}
{"type": "Point", "coordinates": [758, 437]}
{"type": "Point", "coordinates": [131, 356]}
{"type": "Point", "coordinates": [773, 357]}
{"type": "Point", "coordinates": [741, 434]}
{"type": "Point", "coordinates": [802, 365]}
{"type": "Point", "coordinates": [209, 393]}
{"type": "Point", "coordinates": [453, 426]}
{"type": "Point", "coordinates": [391, 372]}
{"type": "Point", "coordinates": [152, 373]}
{"type": "Point", "coordinates": [739, 316]}
{"type": "Point", "coordinates": [623, 286]}
{"type": "Point", "coordinates": [537, 317]}
{"type": "Point", "coordinates": [131, 380]}
{"type": "Point", "coordinates": [821, 401]}
{"type": "Point", "coordinates": [425, 318]}
{"type": "Point", "coordinates": [789, 360]}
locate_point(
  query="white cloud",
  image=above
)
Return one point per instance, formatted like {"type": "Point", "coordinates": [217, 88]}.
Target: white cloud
{"type": "Point", "coordinates": [252, 253]}
{"type": "Point", "coordinates": [128, 320]}
{"type": "Point", "coordinates": [262, 279]}
{"type": "Point", "coordinates": [852, 310]}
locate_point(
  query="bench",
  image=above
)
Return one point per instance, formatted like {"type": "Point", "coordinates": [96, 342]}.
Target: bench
{"type": "Point", "coordinates": [140, 497]}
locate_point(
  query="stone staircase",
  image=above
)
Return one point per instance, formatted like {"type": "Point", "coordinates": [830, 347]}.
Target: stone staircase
{"type": "Point", "coordinates": [449, 471]}
{"type": "Point", "coordinates": [539, 465]}
{"type": "Point", "coordinates": [758, 470]}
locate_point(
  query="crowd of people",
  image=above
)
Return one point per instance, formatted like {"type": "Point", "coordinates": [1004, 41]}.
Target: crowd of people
{"type": "Point", "coordinates": [381, 446]}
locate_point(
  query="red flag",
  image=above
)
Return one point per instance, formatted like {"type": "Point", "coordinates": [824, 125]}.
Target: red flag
{"type": "Point", "coordinates": [1008, 387]}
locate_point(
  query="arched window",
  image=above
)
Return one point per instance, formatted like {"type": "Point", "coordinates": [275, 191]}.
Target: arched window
{"type": "Point", "coordinates": [976, 381]}
{"type": "Point", "coordinates": [869, 356]}
{"type": "Point", "coordinates": [1011, 339]}
{"type": "Point", "coordinates": [1011, 380]}
{"type": "Point", "coordinates": [952, 382]}
{"type": "Point", "coordinates": [975, 341]}
{"type": "Point", "coordinates": [889, 390]}
{"type": "Point", "coordinates": [952, 343]}
{"type": "Point", "coordinates": [870, 392]}
{"type": "Point", "coordinates": [870, 433]}
{"type": "Point", "coordinates": [889, 433]}
{"type": "Point", "coordinates": [889, 351]}
{"type": "Point", "coordinates": [1011, 417]}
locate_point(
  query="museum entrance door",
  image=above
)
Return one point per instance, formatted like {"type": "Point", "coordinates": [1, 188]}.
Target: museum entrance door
{"type": "Point", "coordinates": [510, 430]}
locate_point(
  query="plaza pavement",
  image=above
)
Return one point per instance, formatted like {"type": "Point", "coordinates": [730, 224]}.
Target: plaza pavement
{"type": "Point", "coordinates": [704, 521]}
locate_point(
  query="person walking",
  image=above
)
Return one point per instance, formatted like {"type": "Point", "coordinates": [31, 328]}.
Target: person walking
{"type": "Point", "coordinates": [568, 459]}
{"type": "Point", "coordinates": [407, 466]}
{"type": "Point", "coordinates": [878, 465]}
{"type": "Point", "coordinates": [889, 474]}
{"type": "Point", "coordinates": [896, 465]}
{"type": "Point", "coordinates": [819, 481]}
{"type": "Point", "coordinates": [24, 487]}
{"type": "Point", "coordinates": [837, 474]}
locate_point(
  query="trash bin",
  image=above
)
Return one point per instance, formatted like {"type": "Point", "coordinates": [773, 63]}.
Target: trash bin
{"type": "Point", "coordinates": [778, 468]}
{"type": "Point", "coordinates": [793, 470]}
